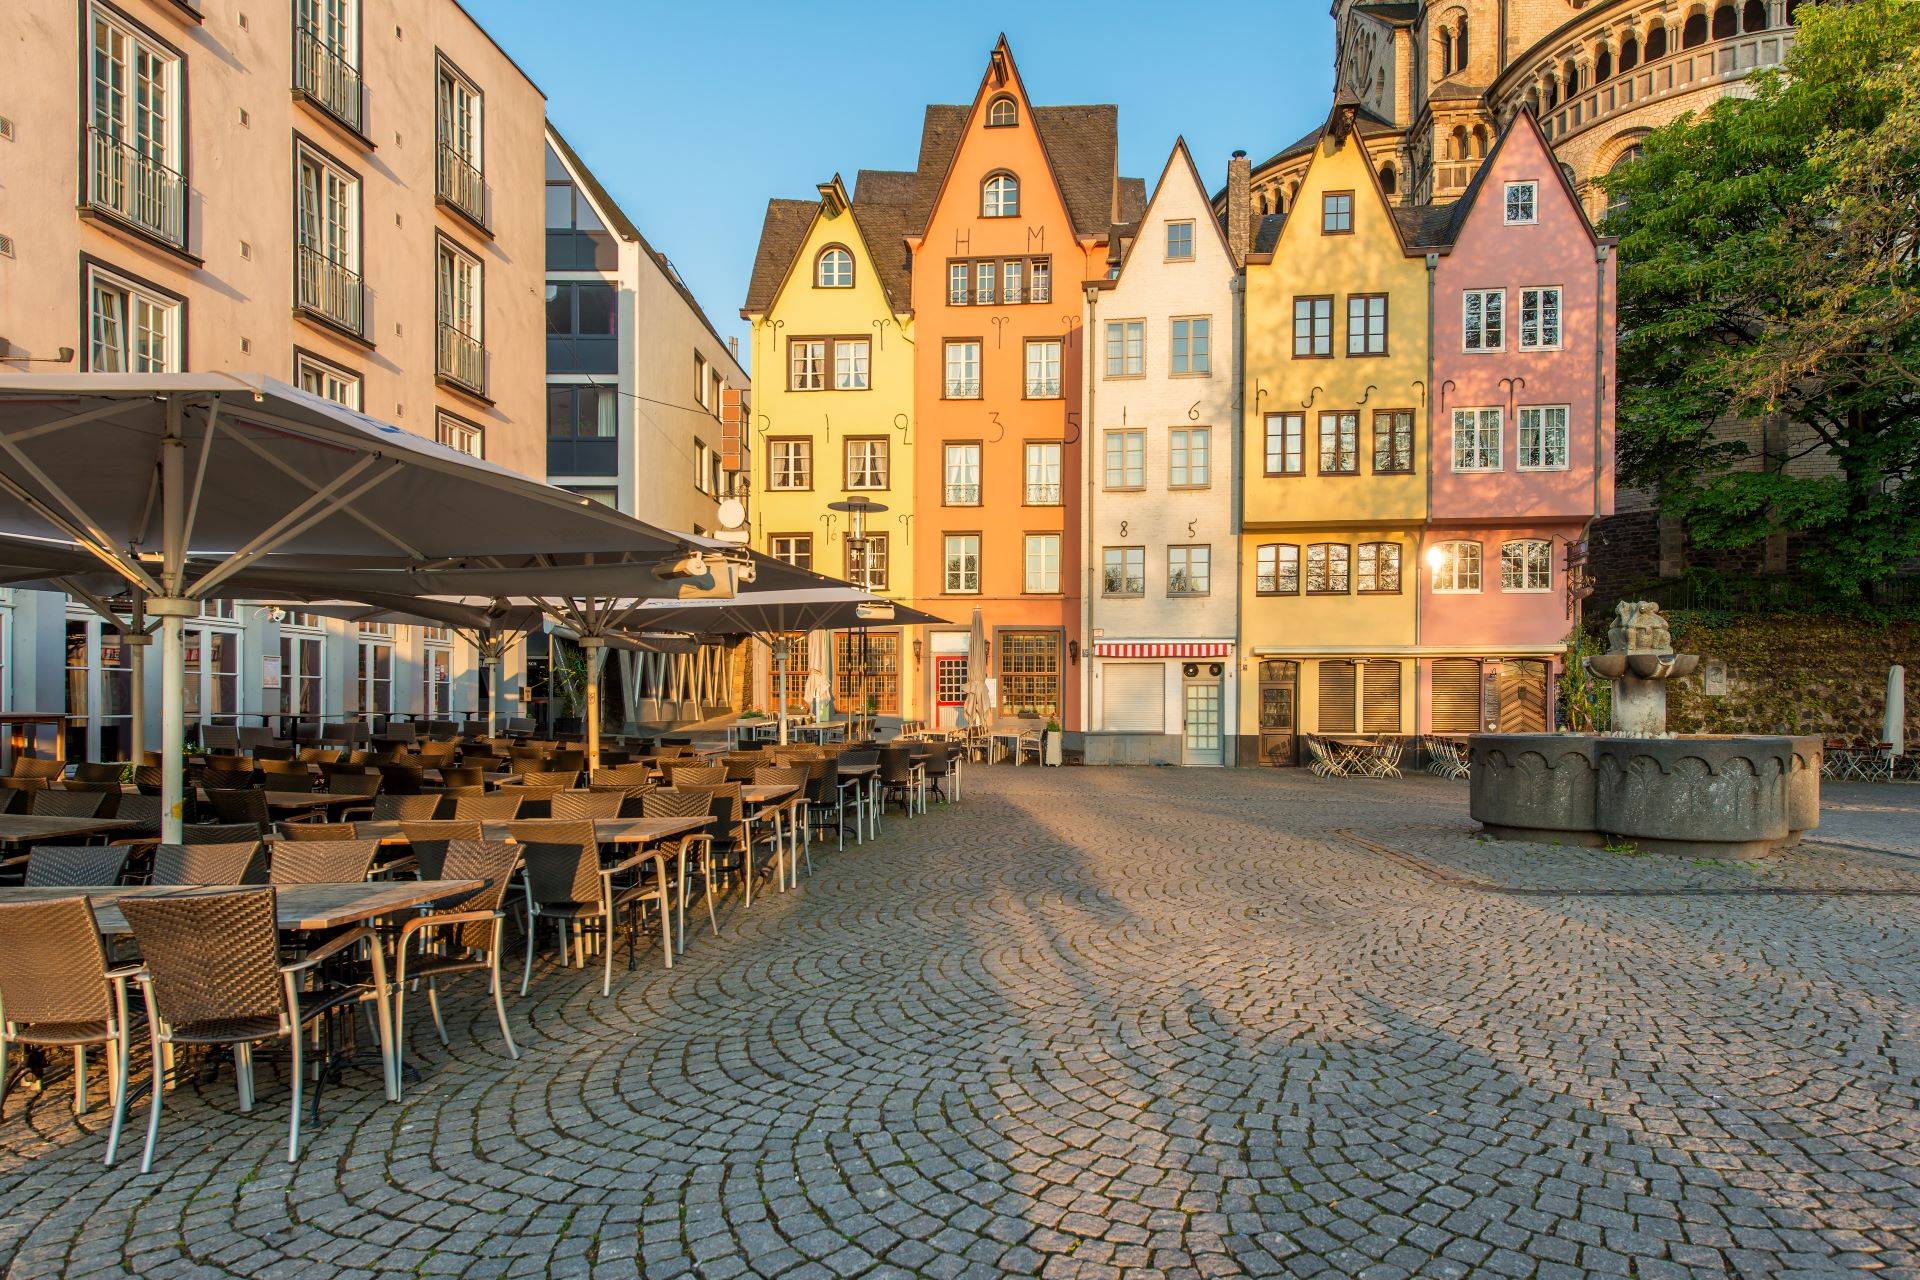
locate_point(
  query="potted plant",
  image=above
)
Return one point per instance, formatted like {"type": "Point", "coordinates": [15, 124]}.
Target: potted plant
{"type": "Point", "coordinates": [1050, 743]}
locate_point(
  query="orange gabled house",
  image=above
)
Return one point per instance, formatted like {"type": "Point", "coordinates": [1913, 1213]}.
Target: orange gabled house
{"type": "Point", "coordinates": [1016, 207]}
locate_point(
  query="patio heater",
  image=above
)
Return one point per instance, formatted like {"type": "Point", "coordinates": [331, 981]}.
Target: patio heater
{"type": "Point", "coordinates": [857, 509]}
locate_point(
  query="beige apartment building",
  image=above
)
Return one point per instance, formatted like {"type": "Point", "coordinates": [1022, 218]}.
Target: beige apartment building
{"type": "Point", "coordinates": [344, 195]}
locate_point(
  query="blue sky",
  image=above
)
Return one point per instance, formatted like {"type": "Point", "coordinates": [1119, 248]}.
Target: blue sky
{"type": "Point", "coordinates": [694, 115]}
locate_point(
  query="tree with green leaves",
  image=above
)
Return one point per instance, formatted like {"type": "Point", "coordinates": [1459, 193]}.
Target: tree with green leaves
{"type": "Point", "coordinates": [1768, 267]}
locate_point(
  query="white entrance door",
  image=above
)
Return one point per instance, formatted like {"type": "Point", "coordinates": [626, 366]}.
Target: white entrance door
{"type": "Point", "coordinates": [1201, 739]}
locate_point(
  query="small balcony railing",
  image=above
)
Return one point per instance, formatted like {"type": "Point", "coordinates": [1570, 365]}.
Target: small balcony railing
{"type": "Point", "coordinates": [328, 289]}
{"type": "Point", "coordinates": [328, 79]}
{"type": "Point", "coordinates": [138, 188]}
{"type": "Point", "coordinates": [461, 359]}
{"type": "Point", "coordinates": [1043, 388]}
{"type": "Point", "coordinates": [963, 388]}
{"type": "Point", "coordinates": [963, 495]}
{"type": "Point", "coordinates": [1043, 495]}
{"type": "Point", "coordinates": [460, 184]}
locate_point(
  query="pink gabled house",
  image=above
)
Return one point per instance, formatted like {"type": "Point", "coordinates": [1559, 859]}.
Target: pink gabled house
{"type": "Point", "coordinates": [1522, 430]}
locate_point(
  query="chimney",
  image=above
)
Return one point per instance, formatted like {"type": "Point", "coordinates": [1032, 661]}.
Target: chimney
{"type": "Point", "coordinates": [1239, 207]}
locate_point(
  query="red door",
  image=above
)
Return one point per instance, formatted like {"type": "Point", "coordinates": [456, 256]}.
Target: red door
{"type": "Point", "coordinates": [949, 690]}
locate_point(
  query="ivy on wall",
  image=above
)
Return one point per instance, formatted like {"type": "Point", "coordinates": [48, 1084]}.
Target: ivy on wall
{"type": "Point", "coordinates": [1802, 675]}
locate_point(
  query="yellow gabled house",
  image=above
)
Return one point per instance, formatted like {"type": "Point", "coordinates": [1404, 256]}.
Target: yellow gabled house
{"type": "Point", "coordinates": [833, 417]}
{"type": "Point", "coordinates": [1334, 490]}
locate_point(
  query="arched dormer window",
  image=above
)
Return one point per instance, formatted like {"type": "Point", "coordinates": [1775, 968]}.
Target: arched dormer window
{"type": "Point", "coordinates": [1000, 196]}
{"type": "Point", "coordinates": [833, 269]}
{"type": "Point", "coordinates": [1002, 112]}
{"type": "Point", "coordinates": [1389, 180]}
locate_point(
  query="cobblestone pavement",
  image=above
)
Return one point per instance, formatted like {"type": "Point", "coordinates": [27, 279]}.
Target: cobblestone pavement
{"type": "Point", "coordinates": [1115, 1024]}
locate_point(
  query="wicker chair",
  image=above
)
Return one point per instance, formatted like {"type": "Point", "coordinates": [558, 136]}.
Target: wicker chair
{"type": "Point", "coordinates": [567, 884]}
{"type": "Point", "coordinates": [142, 811]}
{"type": "Point", "coordinates": [567, 760]}
{"type": "Point", "coordinates": [69, 804]}
{"type": "Point", "coordinates": [399, 779]}
{"type": "Point", "coordinates": [218, 833]}
{"type": "Point", "coordinates": [213, 978]}
{"type": "Point", "coordinates": [535, 802]}
{"type": "Point", "coordinates": [687, 804]}
{"type": "Point", "coordinates": [466, 938]}
{"type": "Point", "coordinates": [694, 774]}
{"type": "Point", "coordinates": [286, 775]}
{"type": "Point", "coordinates": [390, 808]}
{"type": "Point", "coordinates": [630, 796]}
{"type": "Point", "coordinates": [219, 737]}
{"type": "Point", "coordinates": [68, 866]}
{"type": "Point", "coordinates": [790, 812]}
{"type": "Point", "coordinates": [562, 779]}
{"type": "Point", "coordinates": [733, 837]}
{"type": "Point", "coordinates": [147, 779]}
{"type": "Point", "coordinates": [15, 801]}
{"type": "Point", "coordinates": [227, 776]}
{"type": "Point", "coordinates": [468, 775]}
{"type": "Point", "coordinates": [200, 864]}
{"type": "Point", "coordinates": [496, 806]}
{"type": "Point", "coordinates": [589, 806]}
{"type": "Point", "coordinates": [429, 842]}
{"type": "Point", "coordinates": [57, 990]}
{"type": "Point", "coordinates": [34, 769]}
{"type": "Point", "coordinates": [96, 771]}
{"type": "Point", "coordinates": [296, 862]}
{"type": "Point", "coordinates": [624, 775]}
{"type": "Point", "coordinates": [236, 807]}
{"type": "Point", "coordinates": [318, 830]}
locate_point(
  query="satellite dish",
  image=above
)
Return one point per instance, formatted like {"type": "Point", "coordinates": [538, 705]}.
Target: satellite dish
{"type": "Point", "coordinates": [733, 513]}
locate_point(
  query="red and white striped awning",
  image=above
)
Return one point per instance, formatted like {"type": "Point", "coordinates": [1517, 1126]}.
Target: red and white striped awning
{"type": "Point", "coordinates": [1161, 649]}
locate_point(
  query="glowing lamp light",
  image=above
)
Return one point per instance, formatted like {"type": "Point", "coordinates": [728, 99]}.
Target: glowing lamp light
{"type": "Point", "coordinates": [1435, 557]}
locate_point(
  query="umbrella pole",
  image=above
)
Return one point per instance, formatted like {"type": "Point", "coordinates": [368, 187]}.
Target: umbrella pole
{"type": "Point", "coordinates": [596, 650]}
{"type": "Point", "coordinates": [489, 668]}
{"type": "Point", "coordinates": [778, 658]}
{"type": "Point", "coordinates": [173, 715]}
{"type": "Point", "coordinates": [137, 696]}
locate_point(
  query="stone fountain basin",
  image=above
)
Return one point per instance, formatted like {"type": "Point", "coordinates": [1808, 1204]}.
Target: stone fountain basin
{"type": "Point", "coordinates": [1699, 795]}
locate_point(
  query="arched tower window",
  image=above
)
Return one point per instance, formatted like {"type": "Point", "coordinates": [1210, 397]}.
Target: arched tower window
{"type": "Point", "coordinates": [1460, 44]}
{"type": "Point", "coordinates": [1002, 112]}
{"type": "Point", "coordinates": [1479, 141]}
{"type": "Point", "coordinates": [1629, 54]}
{"type": "Point", "coordinates": [1726, 22]}
{"type": "Point", "coordinates": [1695, 32]}
{"type": "Point", "coordinates": [1446, 52]}
{"type": "Point", "coordinates": [1000, 196]}
{"type": "Point", "coordinates": [1570, 75]}
{"type": "Point", "coordinates": [1755, 18]}
{"type": "Point", "coordinates": [834, 269]}
{"type": "Point", "coordinates": [1656, 43]}
{"type": "Point", "coordinates": [1603, 65]}
{"type": "Point", "coordinates": [1388, 179]}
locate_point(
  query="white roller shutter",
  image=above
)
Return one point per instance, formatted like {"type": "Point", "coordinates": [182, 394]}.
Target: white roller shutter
{"type": "Point", "coordinates": [1133, 697]}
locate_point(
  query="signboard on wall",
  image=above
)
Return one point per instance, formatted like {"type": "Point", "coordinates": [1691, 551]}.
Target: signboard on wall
{"type": "Point", "coordinates": [270, 671]}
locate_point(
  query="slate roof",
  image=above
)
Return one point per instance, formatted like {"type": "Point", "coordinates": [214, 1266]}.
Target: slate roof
{"type": "Point", "coordinates": [782, 234]}
{"type": "Point", "coordinates": [1133, 200]}
{"type": "Point", "coordinates": [882, 203]}
{"type": "Point", "coordinates": [1394, 15]}
{"type": "Point", "coordinates": [1454, 90]}
{"type": "Point", "coordinates": [1430, 226]}
{"type": "Point", "coordinates": [1365, 123]}
{"type": "Point", "coordinates": [1267, 234]}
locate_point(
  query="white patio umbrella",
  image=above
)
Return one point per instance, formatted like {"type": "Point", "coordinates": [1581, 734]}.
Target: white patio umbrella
{"type": "Point", "coordinates": [1893, 728]}
{"type": "Point", "coordinates": [818, 691]}
{"type": "Point", "coordinates": [974, 702]}
{"type": "Point", "coordinates": [177, 482]}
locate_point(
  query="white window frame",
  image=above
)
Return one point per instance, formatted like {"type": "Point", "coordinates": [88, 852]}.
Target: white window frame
{"type": "Point", "coordinates": [137, 305]}
{"type": "Point", "coordinates": [1190, 563]}
{"type": "Point", "coordinates": [460, 293]}
{"type": "Point", "coordinates": [1191, 341]}
{"type": "Point", "coordinates": [789, 548]}
{"type": "Point", "coordinates": [1449, 568]}
{"type": "Point", "coordinates": [1043, 378]}
{"type": "Point", "coordinates": [1000, 196]}
{"type": "Point", "coordinates": [960, 556]}
{"type": "Point", "coordinates": [1529, 191]}
{"type": "Point", "coordinates": [1042, 562]}
{"type": "Point", "coordinates": [1190, 458]}
{"type": "Point", "coordinates": [1132, 442]}
{"type": "Point", "coordinates": [1471, 328]}
{"type": "Point", "coordinates": [1133, 571]}
{"type": "Point", "coordinates": [1044, 483]}
{"type": "Point", "coordinates": [458, 433]}
{"type": "Point", "coordinates": [459, 111]}
{"type": "Point", "coordinates": [1537, 297]}
{"type": "Point", "coordinates": [806, 364]}
{"type": "Point", "coordinates": [439, 706]}
{"type": "Point", "coordinates": [295, 638]}
{"type": "Point", "coordinates": [963, 356]}
{"type": "Point", "coordinates": [1534, 436]}
{"type": "Point", "coordinates": [961, 469]}
{"type": "Point", "coordinates": [790, 464]}
{"type": "Point", "coordinates": [331, 382]}
{"type": "Point", "coordinates": [126, 117]}
{"type": "Point", "coordinates": [868, 462]}
{"type": "Point", "coordinates": [852, 364]}
{"type": "Point", "coordinates": [1535, 564]}
{"type": "Point", "coordinates": [835, 254]}
{"type": "Point", "coordinates": [1474, 458]}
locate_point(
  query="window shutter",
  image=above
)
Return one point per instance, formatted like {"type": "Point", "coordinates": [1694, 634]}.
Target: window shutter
{"type": "Point", "coordinates": [1380, 710]}
{"type": "Point", "coordinates": [1133, 697]}
{"type": "Point", "coordinates": [1456, 695]}
{"type": "Point", "coordinates": [1336, 697]}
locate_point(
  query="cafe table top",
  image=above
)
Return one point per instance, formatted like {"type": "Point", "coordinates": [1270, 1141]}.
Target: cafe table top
{"type": "Point", "coordinates": [858, 770]}
{"type": "Point", "coordinates": [605, 830]}
{"type": "Point", "coordinates": [306, 907]}
{"type": "Point", "coordinates": [765, 794]}
{"type": "Point", "coordinates": [22, 827]}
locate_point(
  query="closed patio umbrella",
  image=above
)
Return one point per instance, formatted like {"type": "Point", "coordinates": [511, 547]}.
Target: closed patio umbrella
{"type": "Point", "coordinates": [178, 482]}
{"type": "Point", "coordinates": [819, 686]}
{"type": "Point", "coordinates": [974, 703]}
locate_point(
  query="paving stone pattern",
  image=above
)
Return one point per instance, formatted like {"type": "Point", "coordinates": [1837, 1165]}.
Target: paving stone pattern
{"type": "Point", "coordinates": [1113, 1024]}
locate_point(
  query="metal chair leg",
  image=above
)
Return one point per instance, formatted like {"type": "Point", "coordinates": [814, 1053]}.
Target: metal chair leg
{"type": "Point", "coordinates": [499, 1001]}
{"type": "Point", "coordinates": [433, 1004]}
